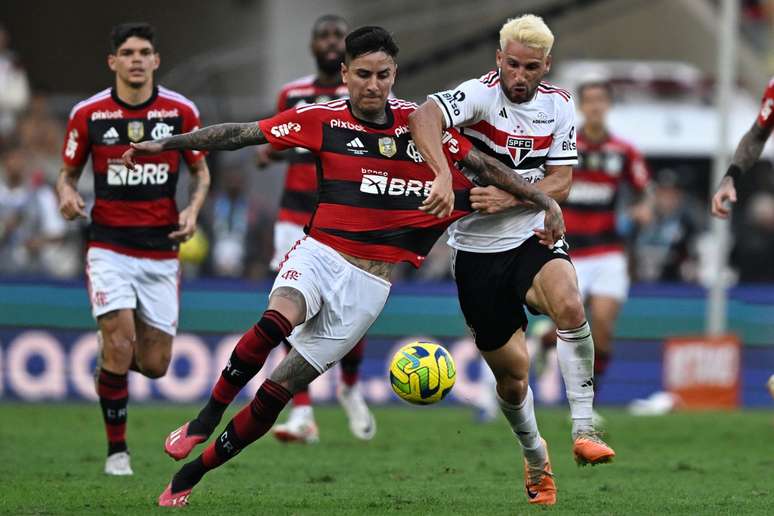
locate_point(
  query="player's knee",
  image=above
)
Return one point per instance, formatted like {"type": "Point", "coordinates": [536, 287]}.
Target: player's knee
{"type": "Point", "coordinates": [512, 389]}
{"type": "Point", "coordinates": [569, 312]}
{"type": "Point", "coordinates": [118, 346]}
{"type": "Point", "coordinates": [154, 369]}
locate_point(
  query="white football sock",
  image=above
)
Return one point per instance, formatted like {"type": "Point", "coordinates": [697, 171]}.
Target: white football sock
{"type": "Point", "coordinates": [575, 350]}
{"type": "Point", "coordinates": [522, 420]}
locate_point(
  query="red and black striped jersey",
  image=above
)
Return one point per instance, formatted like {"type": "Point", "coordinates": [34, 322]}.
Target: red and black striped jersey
{"type": "Point", "coordinates": [371, 179]}
{"type": "Point", "coordinates": [299, 196]}
{"type": "Point", "coordinates": [589, 212]}
{"type": "Point", "coordinates": [134, 210]}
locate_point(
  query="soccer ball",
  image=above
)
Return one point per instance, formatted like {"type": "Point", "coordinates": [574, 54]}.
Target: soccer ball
{"type": "Point", "coordinates": [422, 373]}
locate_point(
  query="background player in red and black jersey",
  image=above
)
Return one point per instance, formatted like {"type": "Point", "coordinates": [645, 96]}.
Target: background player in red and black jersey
{"type": "Point", "coordinates": [372, 213]}
{"type": "Point", "coordinates": [297, 204]}
{"type": "Point", "coordinates": [606, 165]}
{"type": "Point", "coordinates": [132, 268]}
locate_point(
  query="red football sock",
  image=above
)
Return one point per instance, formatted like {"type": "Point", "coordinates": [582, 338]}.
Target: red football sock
{"type": "Point", "coordinates": [350, 364]}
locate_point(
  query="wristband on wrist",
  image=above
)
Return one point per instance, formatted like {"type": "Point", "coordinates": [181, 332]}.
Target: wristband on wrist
{"type": "Point", "coordinates": [734, 172]}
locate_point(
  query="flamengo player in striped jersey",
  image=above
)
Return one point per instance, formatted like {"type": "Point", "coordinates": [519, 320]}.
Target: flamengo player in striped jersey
{"type": "Point", "coordinates": [606, 165]}
{"type": "Point", "coordinates": [748, 151]}
{"type": "Point", "coordinates": [296, 208]}
{"type": "Point", "coordinates": [131, 264]}
{"type": "Point", "coordinates": [335, 281]}
{"type": "Point", "coordinates": [511, 115]}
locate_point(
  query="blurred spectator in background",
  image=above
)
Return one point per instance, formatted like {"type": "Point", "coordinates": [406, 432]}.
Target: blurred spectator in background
{"type": "Point", "coordinates": [240, 227]}
{"type": "Point", "coordinates": [754, 256]}
{"type": "Point", "coordinates": [32, 233]}
{"type": "Point", "coordinates": [40, 136]}
{"type": "Point", "coordinates": [664, 248]}
{"type": "Point", "coordinates": [14, 88]}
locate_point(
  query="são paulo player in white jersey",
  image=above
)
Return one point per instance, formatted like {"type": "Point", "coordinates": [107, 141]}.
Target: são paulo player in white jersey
{"type": "Point", "coordinates": [499, 266]}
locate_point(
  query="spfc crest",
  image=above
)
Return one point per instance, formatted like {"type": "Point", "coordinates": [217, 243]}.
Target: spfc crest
{"type": "Point", "coordinates": [518, 147]}
{"type": "Point", "coordinates": [387, 147]}
{"type": "Point", "coordinates": [135, 130]}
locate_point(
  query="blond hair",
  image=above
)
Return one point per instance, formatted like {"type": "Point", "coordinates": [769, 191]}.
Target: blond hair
{"type": "Point", "coordinates": [529, 30]}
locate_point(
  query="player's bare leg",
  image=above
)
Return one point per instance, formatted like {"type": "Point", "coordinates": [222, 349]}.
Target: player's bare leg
{"type": "Point", "coordinates": [555, 292]}
{"type": "Point", "coordinates": [293, 374]}
{"type": "Point", "coordinates": [300, 426]}
{"type": "Point", "coordinates": [286, 310]}
{"type": "Point", "coordinates": [118, 339]}
{"type": "Point", "coordinates": [153, 350]}
{"type": "Point", "coordinates": [510, 366]}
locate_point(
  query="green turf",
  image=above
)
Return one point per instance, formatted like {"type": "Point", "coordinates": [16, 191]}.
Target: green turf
{"type": "Point", "coordinates": [422, 461]}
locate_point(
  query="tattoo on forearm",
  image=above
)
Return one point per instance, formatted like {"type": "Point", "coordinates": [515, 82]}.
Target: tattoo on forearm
{"type": "Point", "coordinates": [495, 173]}
{"type": "Point", "coordinates": [750, 147]}
{"type": "Point", "coordinates": [217, 137]}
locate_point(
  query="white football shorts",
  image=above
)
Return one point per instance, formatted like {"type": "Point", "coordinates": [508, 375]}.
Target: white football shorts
{"type": "Point", "coordinates": [286, 234]}
{"type": "Point", "coordinates": [603, 275]}
{"type": "Point", "coordinates": [342, 301]}
{"type": "Point", "coordinates": [151, 287]}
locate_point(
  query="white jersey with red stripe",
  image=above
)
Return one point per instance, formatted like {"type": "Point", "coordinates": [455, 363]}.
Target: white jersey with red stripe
{"type": "Point", "coordinates": [526, 137]}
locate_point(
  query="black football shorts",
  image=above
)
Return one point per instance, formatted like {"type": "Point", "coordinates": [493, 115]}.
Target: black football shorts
{"type": "Point", "coordinates": [492, 288]}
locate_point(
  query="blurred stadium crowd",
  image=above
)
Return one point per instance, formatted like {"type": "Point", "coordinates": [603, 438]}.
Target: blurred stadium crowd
{"type": "Point", "coordinates": [666, 243]}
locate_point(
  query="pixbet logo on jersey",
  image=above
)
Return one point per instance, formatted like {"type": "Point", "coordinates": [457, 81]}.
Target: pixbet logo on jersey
{"type": "Point", "coordinates": [142, 174]}
{"type": "Point", "coordinates": [377, 182]}
{"type": "Point", "coordinates": [281, 130]}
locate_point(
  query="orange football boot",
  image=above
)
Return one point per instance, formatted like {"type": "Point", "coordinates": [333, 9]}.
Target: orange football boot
{"type": "Point", "coordinates": [589, 448]}
{"type": "Point", "coordinates": [541, 489]}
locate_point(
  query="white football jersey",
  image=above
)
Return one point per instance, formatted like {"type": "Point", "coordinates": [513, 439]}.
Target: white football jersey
{"type": "Point", "coordinates": [525, 137]}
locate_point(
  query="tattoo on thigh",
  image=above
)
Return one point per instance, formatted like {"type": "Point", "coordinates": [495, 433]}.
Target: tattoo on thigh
{"type": "Point", "coordinates": [294, 372]}
{"type": "Point", "coordinates": [293, 295]}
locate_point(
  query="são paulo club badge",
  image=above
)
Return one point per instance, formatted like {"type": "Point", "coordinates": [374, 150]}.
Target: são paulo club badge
{"type": "Point", "coordinates": [519, 147]}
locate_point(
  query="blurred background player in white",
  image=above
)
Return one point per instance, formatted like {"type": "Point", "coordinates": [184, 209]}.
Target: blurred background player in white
{"type": "Point", "coordinates": [606, 165]}
{"type": "Point", "coordinates": [529, 125]}
{"type": "Point", "coordinates": [132, 267]}
{"type": "Point", "coordinates": [747, 153]}
{"type": "Point", "coordinates": [298, 201]}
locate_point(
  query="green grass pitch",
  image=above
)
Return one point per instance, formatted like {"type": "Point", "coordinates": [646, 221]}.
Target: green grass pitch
{"type": "Point", "coordinates": [423, 461]}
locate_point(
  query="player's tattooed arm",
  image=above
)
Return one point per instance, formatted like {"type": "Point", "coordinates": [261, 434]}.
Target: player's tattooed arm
{"type": "Point", "coordinates": [490, 170]}
{"type": "Point", "coordinates": [748, 151]}
{"type": "Point", "coordinates": [229, 136]}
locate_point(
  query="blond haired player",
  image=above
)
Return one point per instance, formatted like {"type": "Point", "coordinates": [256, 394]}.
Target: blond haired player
{"type": "Point", "coordinates": [529, 125]}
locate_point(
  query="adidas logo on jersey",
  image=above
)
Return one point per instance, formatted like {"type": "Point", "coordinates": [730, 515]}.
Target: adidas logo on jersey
{"type": "Point", "coordinates": [110, 137]}
{"type": "Point", "coordinates": [503, 113]}
{"type": "Point", "coordinates": [356, 146]}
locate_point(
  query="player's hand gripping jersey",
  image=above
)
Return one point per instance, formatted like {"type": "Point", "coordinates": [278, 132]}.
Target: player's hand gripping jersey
{"type": "Point", "coordinates": [525, 137]}
{"type": "Point", "coordinates": [589, 212]}
{"type": "Point", "coordinates": [134, 210]}
{"type": "Point", "coordinates": [300, 194]}
{"type": "Point", "coordinates": [372, 179]}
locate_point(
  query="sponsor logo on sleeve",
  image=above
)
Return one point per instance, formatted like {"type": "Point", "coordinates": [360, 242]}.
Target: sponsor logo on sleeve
{"type": "Point", "coordinates": [766, 109]}
{"type": "Point", "coordinates": [453, 98]}
{"type": "Point", "coordinates": [282, 130]}
{"type": "Point", "coordinates": [569, 143]}
{"type": "Point", "coordinates": [451, 142]}
{"type": "Point", "coordinates": [72, 144]}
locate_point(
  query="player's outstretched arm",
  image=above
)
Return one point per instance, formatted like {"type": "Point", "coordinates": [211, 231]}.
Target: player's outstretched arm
{"type": "Point", "coordinates": [426, 126]}
{"type": "Point", "coordinates": [228, 136]}
{"type": "Point", "coordinates": [492, 171]}
{"type": "Point", "coordinates": [747, 153]}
